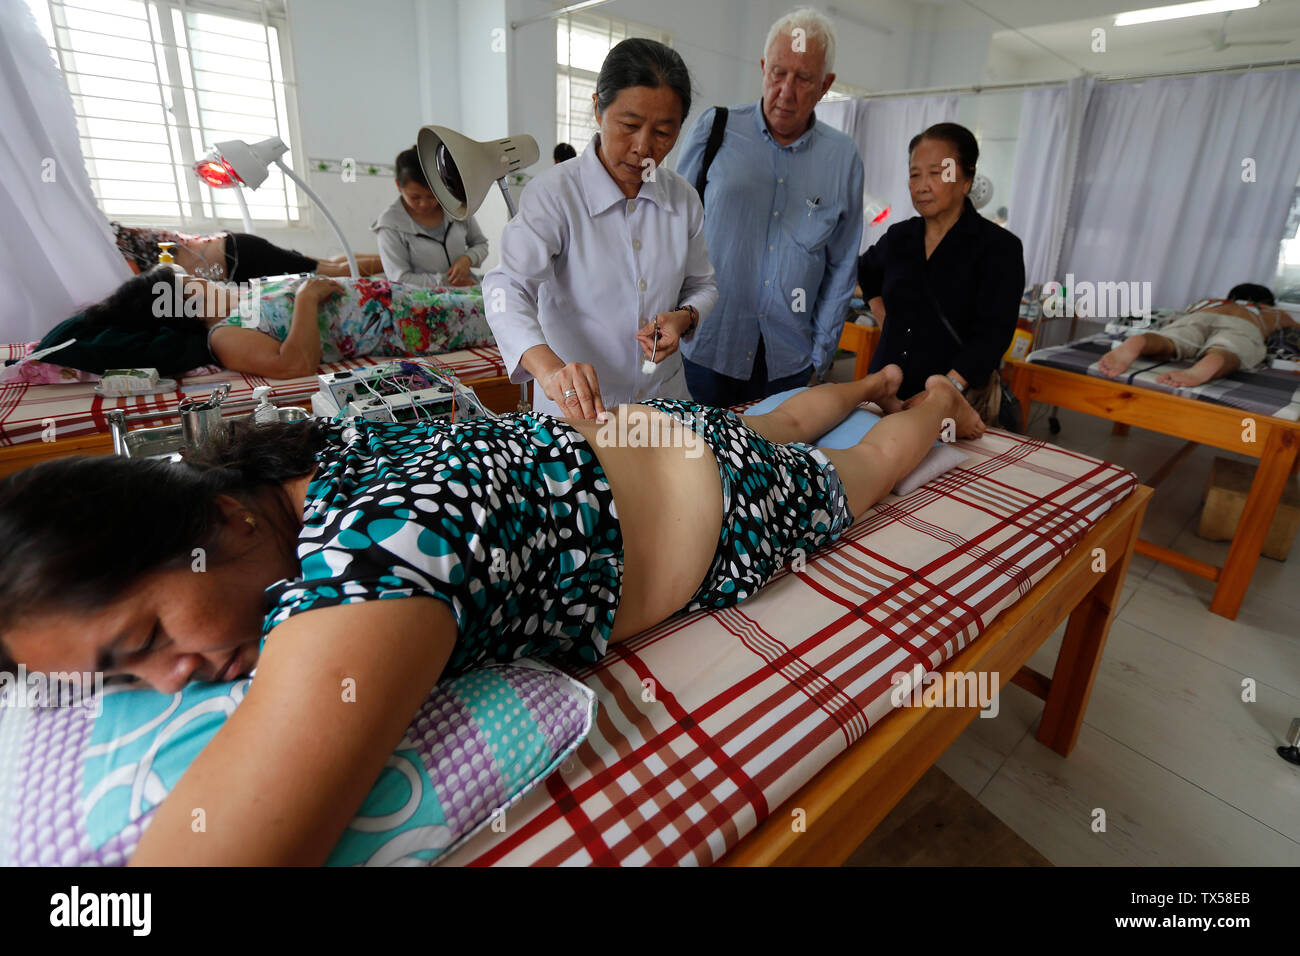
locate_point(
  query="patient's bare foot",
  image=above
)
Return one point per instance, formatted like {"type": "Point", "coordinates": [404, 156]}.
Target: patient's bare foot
{"type": "Point", "coordinates": [1216, 363]}
{"type": "Point", "coordinates": [969, 424]}
{"type": "Point", "coordinates": [1117, 360]}
{"type": "Point", "coordinates": [882, 388]}
{"type": "Point", "coordinates": [1213, 364]}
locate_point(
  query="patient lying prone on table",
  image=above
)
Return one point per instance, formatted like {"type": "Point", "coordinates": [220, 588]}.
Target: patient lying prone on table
{"type": "Point", "coordinates": [1224, 335]}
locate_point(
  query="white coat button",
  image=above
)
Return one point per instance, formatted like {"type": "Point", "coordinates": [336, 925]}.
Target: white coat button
{"type": "Point", "coordinates": [771, 248]}
{"type": "Point", "coordinates": [636, 244]}
{"type": "Point", "coordinates": [767, 282]}
{"type": "Point", "coordinates": [781, 181]}
{"type": "Point", "coordinates": [777, 213]}
{"type": "Point", "coordinates": [631, 205]}
{"type": "Point", "coordinates": [641, 285]}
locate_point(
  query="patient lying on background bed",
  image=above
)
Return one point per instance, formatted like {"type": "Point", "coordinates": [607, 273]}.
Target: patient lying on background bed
{"type": "Point", "coordinates": [279, 327]}
{"type": "Point", "coordinates": [1224, 335]}
{"type": "Point", "coordinates": [227, 256]}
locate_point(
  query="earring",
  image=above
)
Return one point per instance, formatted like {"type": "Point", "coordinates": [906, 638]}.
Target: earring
{"type": "Point", "coordinates": [252, 522]}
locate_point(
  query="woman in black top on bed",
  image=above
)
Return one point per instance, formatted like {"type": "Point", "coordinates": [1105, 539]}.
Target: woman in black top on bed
{"type": "Point", "coordinates": [228, 256]}
{"type": "Point", "coordinates": [947, 259]}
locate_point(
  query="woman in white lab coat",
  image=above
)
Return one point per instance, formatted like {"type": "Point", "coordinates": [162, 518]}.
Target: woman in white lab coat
{"type": "Point", "coordinates": [604, 270]}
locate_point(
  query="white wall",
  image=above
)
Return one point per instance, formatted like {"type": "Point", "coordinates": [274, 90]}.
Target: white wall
{"type": "Point", "coordinates": [439, 66]}
{"type": "Point", "coordinates": [721, 42]}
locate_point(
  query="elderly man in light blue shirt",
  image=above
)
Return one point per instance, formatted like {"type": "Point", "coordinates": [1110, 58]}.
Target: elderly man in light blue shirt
{"type": "Point", "coordinates": [783, 220]}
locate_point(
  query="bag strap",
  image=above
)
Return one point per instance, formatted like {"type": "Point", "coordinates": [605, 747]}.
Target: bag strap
{"type": "Point", "coordinates": [711, 148]}
{"type": "Point", "coordinates": [938, 309]}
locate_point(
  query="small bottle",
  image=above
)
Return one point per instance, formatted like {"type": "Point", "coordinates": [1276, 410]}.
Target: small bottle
{"type": "Point", "coordinates": [165, 252]}
{"type": "Point", "coordinates": [265, 412]}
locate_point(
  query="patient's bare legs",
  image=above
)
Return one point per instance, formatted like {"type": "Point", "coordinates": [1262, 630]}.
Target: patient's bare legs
{"type": "Point", "coordinates": [898, 442]}
{"type": "Point", "coordinates": [1117, 360]}
{"type": "Point", "coordinates": [893, 447]}
{"type": "Point", "coordinates": [1215, 363]}
{"type": "Point", "coordinates": [338, 265]}
{"type": "Point", "coordinates": [815, 411]}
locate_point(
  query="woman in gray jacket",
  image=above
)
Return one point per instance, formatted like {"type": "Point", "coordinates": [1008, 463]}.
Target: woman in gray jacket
{"type": "Point", "coordinates": [418, 242]}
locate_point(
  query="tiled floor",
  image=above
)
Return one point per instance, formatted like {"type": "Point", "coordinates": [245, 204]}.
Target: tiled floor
{"type": "Point", "coordinates": [1177, 753]}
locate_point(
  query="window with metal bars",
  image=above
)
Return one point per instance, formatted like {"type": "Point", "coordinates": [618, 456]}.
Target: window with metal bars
{"type": "Point", "coordinates": [581, 43]}
{"type": "Point", "coordinates": [155, 83]}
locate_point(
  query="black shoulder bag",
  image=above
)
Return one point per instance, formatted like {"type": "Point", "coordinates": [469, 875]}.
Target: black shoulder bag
{"type": "Point", "coordinates": [711, 148]}
{"type": "Point", "coordinates": [993, 401]}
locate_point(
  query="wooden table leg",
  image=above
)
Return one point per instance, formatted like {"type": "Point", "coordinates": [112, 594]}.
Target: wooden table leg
{"type": "Point", "coordinates": [1265, 492]}
{"type": "Point", "coordinates": [1018, 382]}
{"type": "Point", "coordinates": [1080, 656]}
{"type": "Point", "coordinates": [861, 341]}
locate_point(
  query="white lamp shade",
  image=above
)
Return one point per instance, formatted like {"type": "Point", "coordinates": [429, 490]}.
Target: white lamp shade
{"type": "Point", "coordinates": [250, 161]}
{"type": "Point", "coordinates": [981, 191]}
{"type": "Point", "coordinates": [460, 171]}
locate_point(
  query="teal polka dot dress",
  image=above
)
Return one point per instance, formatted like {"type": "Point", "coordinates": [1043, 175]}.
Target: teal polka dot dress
{"type": "Point", "coordinates": [510, 521]}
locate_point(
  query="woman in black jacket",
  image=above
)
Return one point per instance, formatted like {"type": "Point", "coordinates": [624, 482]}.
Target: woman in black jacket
{"type": "Point", "coordinates": [946, 265]}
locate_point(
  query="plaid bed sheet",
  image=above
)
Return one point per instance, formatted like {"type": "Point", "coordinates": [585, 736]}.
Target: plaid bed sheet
{"type": "Point", "coordinates": [77, 411]}
{"type": "Point", "coordinates": [1267, 391]}
{"type": "Point", "coordinates": [709, 722]}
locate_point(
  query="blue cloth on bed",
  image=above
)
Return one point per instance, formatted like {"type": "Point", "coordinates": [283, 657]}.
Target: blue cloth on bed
{"type": "Point", "coordinates": [844, 435]}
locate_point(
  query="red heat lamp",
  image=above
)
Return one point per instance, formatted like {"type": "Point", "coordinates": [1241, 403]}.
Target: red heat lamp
{"type": "Point", "coordinates": [217, 173]}
{"type": "Point", "coordinates": [874, 209]}
{"type": "Point", "coordinates": [234, 163]}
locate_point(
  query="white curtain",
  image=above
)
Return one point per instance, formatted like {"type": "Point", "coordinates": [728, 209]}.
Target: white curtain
{"type": "Point", "coordinates": [882, 129]}
{"type": "Point", "coordinates": [1185, 183]}
{"type": "Point", "coordinates": [1047, 149]}
{"type": "Point", "coordinates": [58, 249]}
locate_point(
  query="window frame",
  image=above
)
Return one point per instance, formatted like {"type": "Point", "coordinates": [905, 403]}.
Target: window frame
{"type": "Point", "coordinates": [566, 71]}
{"type": "Point", "coordinates": [197, 203]}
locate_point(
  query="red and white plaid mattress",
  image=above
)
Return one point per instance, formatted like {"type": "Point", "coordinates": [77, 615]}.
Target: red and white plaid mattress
{"type": "Point", "coordinates": [709, 722]}
{"type": "Point", "coordinates": [77, 411]}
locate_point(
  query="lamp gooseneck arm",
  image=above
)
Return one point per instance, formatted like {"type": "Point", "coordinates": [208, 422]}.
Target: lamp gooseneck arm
{"type": "Point", "coordinates": [243, 209]}
{"type": "Point", "coordinates": [347, 250]}
{"type": "Point", "coordinates": [505, 191]}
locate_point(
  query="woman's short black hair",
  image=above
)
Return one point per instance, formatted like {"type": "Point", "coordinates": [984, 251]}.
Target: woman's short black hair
{"type": "Point", "coordinates": [1252, 292]}
{"type": "Point", "coordinates": [63, 522]}
{"type": "Point", "coordinates": [640, 62]}
{"type": "Point", "coordinates": [959, 138]}
{"type": "Point", "coordinates": [408, 168]}
{"type": "Point", "coordinates": [562, 152]}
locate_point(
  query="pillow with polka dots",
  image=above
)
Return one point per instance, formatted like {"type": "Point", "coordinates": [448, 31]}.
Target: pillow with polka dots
{"type": "Point", "coordinates": [81, 776]}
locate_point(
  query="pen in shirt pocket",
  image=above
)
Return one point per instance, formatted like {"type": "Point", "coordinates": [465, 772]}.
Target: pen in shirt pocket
{"type": "Point", "coordinates": [813, 204]}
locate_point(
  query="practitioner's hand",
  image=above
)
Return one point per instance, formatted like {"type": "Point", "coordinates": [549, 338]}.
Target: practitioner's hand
{"type": "Point", "coordinates": [671, 325]}
{"type": "Point", "coordinates": [578, 379]}
{"type": "Point", "coordinates": [317, 289]}
{"type": "Point", "coordinates": [459, 273]}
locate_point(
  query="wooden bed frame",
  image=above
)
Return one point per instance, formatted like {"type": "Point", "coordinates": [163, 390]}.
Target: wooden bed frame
{"type": "Point", "coordinates": [1275, 443]}
{"type": "Point", "coordinates": [855, 791]}
{"type": "Point", "coordinates": [495, 392]}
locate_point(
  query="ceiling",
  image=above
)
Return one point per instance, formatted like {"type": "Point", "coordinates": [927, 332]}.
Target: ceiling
{"type": "Point", "coordinates": [1172, 45]}
{"type": "Point", "coordinates": [1034, 39]}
